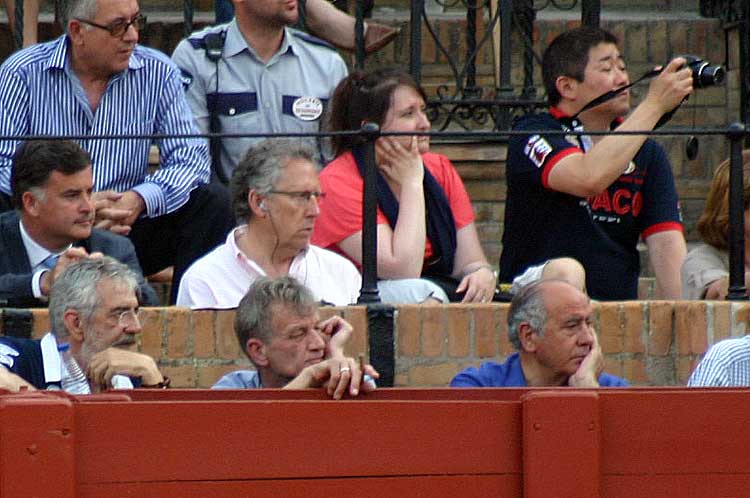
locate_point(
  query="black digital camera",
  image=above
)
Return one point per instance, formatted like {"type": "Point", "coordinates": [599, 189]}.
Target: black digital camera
{"type": "Point", "coordinates": [704, 74]}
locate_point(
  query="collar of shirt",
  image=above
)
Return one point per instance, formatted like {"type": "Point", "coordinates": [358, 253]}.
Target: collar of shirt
{"type": "Point", "coordinates": [51, 359]}
{"type": "Point", "coordinates": [60, 58]}
{"type": "Point", "coordinates": [248, 263]}
{"type": "Point", "coordinates": [235, 43]}
{"type": "Point", "coordinates": [34, 251]}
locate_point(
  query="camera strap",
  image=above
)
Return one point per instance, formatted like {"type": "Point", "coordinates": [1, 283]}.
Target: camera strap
{"type": "Point", "coordinates": [614, 93]}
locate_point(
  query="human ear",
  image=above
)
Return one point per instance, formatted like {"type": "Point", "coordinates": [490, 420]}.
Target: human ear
{"type": "Point", "coordinates": [566, 87]}
{"type": "Point", "coordinates": [256, 351]}
{"type": "Point", "coordinates": [256, 204]}
{"type": "Point", "coordinates": [74, 324]}
{"type": "Point", "coordinates": [30, 203]}
{"type": "Point", "coordinates": [528, 338]}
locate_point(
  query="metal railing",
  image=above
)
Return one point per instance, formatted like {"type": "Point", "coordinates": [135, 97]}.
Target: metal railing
{"type": "Point", "coordinates": [465, 104]}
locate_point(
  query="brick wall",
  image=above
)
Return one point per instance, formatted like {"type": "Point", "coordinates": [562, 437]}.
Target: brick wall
{"type": "Point", "coordinates": [647, 342]}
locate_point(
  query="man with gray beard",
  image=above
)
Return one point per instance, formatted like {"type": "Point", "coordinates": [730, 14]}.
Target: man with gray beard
{"type": "Point", "coordinates": [94, 313]}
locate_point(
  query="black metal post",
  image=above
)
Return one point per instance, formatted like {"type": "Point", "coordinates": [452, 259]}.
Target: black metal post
{"type": "Point", "coordinates": [736, 215]}
{"type": "Point", "coordinates": [505, 91]}
{"type": "Point", "coordinates": [591, 13]}
{"type": "Point", "coordinates": [18, 25]}
{"type": "Point", "coordinates": [743, 34]}
{"type": "Point", "coordinates": [470, 89]}
{"type": "Point", "coordinates": [359, 34]}
{"type": "Point", "coordinates": [188, 16]}
{"type": "Point", "coordinates": [415, 51]}
{"type": "Point", "coordinates": [524, 13]}
{"type": "Point", "coordinates": [369, 292]}
{"type": "Point", "coordinates": [381, 342]}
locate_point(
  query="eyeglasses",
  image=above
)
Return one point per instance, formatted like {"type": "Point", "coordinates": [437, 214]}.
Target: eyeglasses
{"type": "Point", "coordinates": [118, 28]}
{"type": "Point", "coordinates": [130, 317]}
{"type": "Point", "coordinates": [301, 196]}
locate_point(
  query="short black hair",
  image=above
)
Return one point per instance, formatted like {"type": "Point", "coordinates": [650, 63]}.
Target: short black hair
{"type": "Point", "coordinates": [35, 160]}
{"type": "Point", "coordinates": [568, 55]}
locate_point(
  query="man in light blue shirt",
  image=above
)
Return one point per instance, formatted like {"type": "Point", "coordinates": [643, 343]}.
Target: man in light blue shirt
{"type": "Point", "coordinates": [97, 81]}
{"type": "Point", "coordinates": [278, 327]}
{"type": "Point", "coordinates": [257, 75]}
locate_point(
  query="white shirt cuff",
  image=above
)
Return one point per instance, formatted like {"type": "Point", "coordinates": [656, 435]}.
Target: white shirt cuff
{"type": "Point", "coordinates": [36, 287]}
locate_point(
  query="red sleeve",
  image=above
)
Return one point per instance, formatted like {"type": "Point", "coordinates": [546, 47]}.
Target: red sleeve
{"type": "Point", "coordinates": [662, 227]}
{"type": "Point", "coordinates": [341, 210]}
{"type": "Point", "coordinates": [553, 161]}
{"type": "Point", "coordinates": [447, 176]}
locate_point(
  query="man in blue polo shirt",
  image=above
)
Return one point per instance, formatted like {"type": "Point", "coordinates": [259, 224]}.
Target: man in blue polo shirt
{"type": "Point", "coordinates": [549, 323]}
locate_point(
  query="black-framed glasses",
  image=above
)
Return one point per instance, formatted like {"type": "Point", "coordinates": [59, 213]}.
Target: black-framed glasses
{"type": "Point", "coordinates": [301, 196]}
{"type": "Point", "coordinates": [120, 26]}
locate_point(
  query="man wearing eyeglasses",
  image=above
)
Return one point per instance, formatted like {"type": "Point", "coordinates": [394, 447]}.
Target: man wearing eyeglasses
{"type": "Point", "coordinates": [275, 190]}
{"type": "Point", "coordinates": [97, 81]}
{"type": "Point", "coordinates": [94, 315]}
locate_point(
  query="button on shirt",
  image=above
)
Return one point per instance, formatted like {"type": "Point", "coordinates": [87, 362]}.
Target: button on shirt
{"type": "Point", "coordinates": [41, 95]}
{"type": "Point", "coordinates": [253, 96]}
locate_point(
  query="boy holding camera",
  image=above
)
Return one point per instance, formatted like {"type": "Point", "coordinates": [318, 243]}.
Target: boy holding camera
{"type": "Point", "coordinates": [591, 197]}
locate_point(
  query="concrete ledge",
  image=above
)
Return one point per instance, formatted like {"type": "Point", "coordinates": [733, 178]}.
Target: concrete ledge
{"type": "Point", "coordinates": [648, 342]}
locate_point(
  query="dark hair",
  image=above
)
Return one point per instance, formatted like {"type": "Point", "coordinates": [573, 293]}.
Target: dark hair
{"type": "Point", "coordinates": [364, 97]}
{"type": "Point", "coordinates": [255, 311]}
{"type": "Point", "coordinates": [35, 160]}
{"type": "Point", "coordinates": [568, 55]}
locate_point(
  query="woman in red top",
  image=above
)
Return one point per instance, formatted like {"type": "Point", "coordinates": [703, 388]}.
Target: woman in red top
{"type": "Point", "coordinates": [425, 220]}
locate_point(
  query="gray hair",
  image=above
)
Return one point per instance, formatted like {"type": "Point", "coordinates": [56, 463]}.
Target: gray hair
{"type": "Point", "coordinates": [80, 9]}
{"type": "Point", "coordinates": [527, 306]}
{"type": "Point", "coordinates": [76, 288]}
{"type": "Point", "coordinates": [261, 169]}
{"type": "Point", "coordinates": [254, 313]}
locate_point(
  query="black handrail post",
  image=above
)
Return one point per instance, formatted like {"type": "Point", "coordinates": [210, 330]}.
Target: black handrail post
{"type": "Point", "coordinates": [470, 88]}
{"type": "Point", "coordinates": [415, 50]}
{"type": "Point", "coordinates": [591, 13]}
{"type": "Point", "coordinates": [359, 34]}
{"type": "Point", "coordinates": [187, 14]}
{"type": "Point", "coordinates": [369, 293]}
{"type": "Point", "coordinates": [18, 25]}
{"type": "Point", "coordinates": [743, 34]}
{"type": "Point", "coordinates": [737, 288]}
{"type": "Point", "coordinates": [505, 88]}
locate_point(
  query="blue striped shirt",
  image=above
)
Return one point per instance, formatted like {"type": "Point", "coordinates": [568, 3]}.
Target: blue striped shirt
{"type": "Point", "coordinates": [727, 364]}
{"type": "Point", "coordinates": [41, 95]}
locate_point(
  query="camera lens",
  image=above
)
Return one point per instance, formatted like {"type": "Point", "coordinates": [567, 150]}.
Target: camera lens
{"type": "Point", "coordinates": [705, 75]}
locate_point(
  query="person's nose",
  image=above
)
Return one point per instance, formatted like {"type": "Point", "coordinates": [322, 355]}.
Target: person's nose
{"type": "Point", "coordinates": [131, 34]}
{"type": "Point", "coordinates": [423, 124]}
{"type": "Point", "coordinates": [313, 207]}
{"type": "Point", "coordinates": [87, 203]}
{"type": "Point", "coordinates": [316, 341]}
{"type": "Point", "coordinates": [134, 326]}
{"type": "Point", "coordinates": [622, 77]}
{"type": "Point", "coordinates": [586, 335]}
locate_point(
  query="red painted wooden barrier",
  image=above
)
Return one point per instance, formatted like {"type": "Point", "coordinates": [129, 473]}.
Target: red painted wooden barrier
{"type": "Point", "coordinates": [558, 443]}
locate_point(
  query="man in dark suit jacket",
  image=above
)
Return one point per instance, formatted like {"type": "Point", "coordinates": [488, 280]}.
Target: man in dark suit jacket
{"type": "Point", "coordinates": [53, 224]}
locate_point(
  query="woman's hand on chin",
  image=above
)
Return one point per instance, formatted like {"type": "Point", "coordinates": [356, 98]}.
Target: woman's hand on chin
{"type": "Point", "coordinates": [399, 164]}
